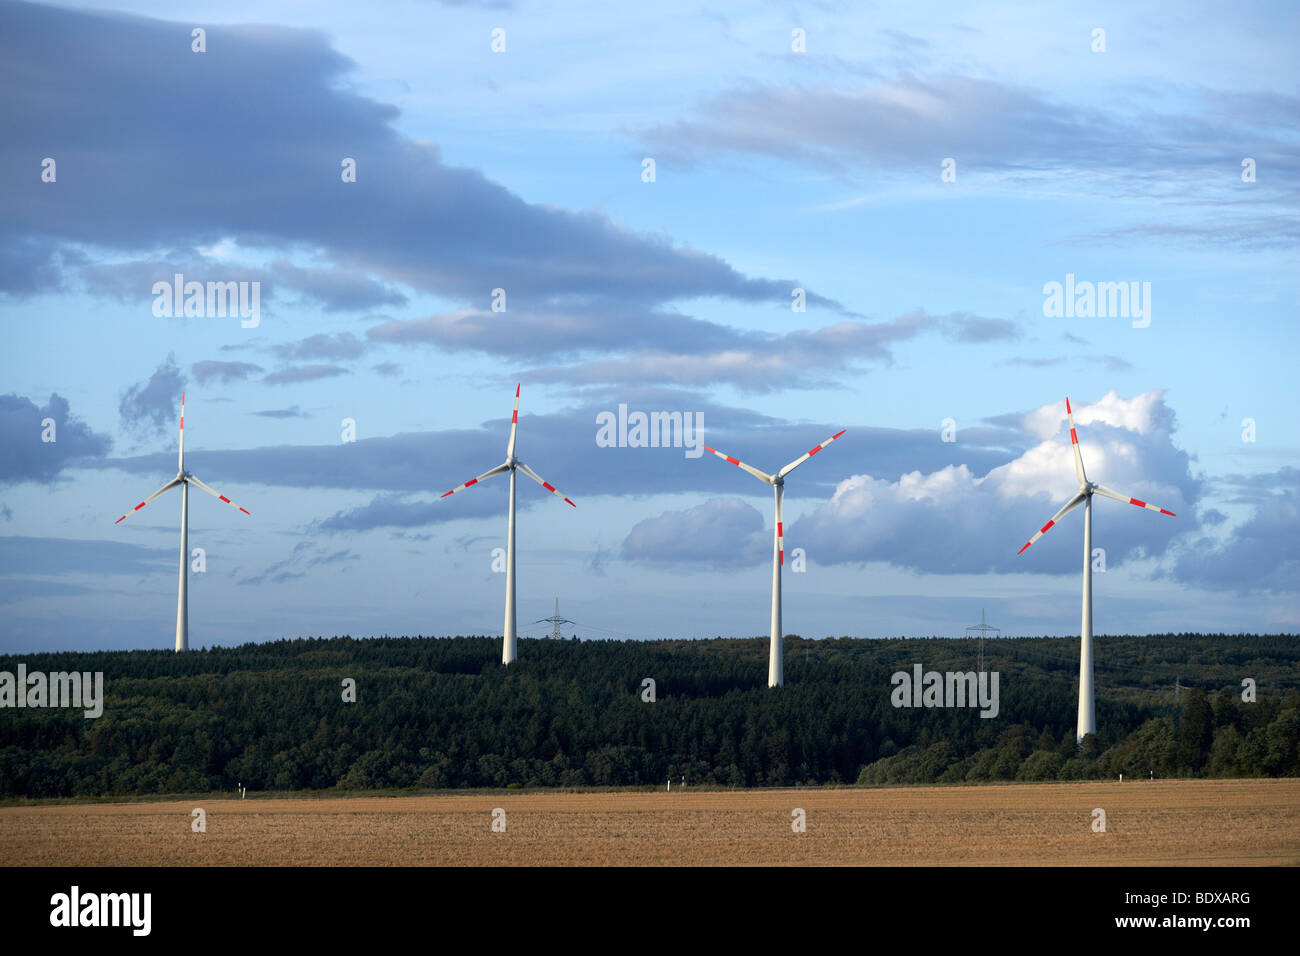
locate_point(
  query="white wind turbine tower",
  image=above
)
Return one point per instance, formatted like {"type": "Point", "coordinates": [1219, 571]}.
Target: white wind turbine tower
{"type": "Point", "coordinates": [1087, 719]}
{"type": "Point", "coordinates": [511, 464]}
{"type": "Point", "coordinates": [775, 670]}
{"type": "Point", "coordinates": [184, 479]}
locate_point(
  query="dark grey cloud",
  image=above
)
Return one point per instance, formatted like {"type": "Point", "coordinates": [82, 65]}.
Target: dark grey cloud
{"type": "Point", "coordinates": [299, 563]}
{"type": "Point", "coordinates": [110, 86]}
{"type": "Point", "coordinates": [562, 448]}
{"type": "Point", "coordinates": [26, 457]}
{"type": "Point", "coordinates": [681, 350]}
{"type": "Point", "coordinates": [911, 122]}
{"type": "Point", "coordinates": [1263, 553]}
{"type": "Point", "coordinates": [388, 369]}
{"type": "Point", "coordinates": [974, 328]}
{"type": "Point", "coordinates": [337, 289]}
{"type": "Point", "coordinates": [303, 373]}
{"type": "Point", "coordinates": [333, 288]}
{"type": "Point", "coordinates": [400, 511]}
{"type": "Point", "coordinates": [292, 411]}
{"type": "Point", "coordinates": [61, 556]}
{"type": "Point", "coordinates": [224, 372]}
{"type": "Point", "coordinates": [153, 407]}
{"type": "Point", "coordinates": [721, 533]}
{"type": "Point", "coordinates": [13, 590]}
{"type": "Point", "coordinates": [322, 345]}
{"type": "Point", "coordinates": [33, 264]}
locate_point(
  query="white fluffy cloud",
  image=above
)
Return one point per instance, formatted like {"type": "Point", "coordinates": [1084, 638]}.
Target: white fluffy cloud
{"type": "Point", "coordinates": [955, 521]}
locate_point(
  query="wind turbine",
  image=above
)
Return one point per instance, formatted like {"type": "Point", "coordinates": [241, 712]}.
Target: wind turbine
{"type": "Point", "coordinates": [1087, 723]}
{"type": "Point", "coordinates": [511, 464]}
{"type": "Point", "coordinates": [775, 671]}
{"type": "Point", "coordinates": [184, 479]}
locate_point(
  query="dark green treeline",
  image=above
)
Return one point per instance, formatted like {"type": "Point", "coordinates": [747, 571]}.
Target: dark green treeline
{"type": "Point", "coordinates": [444, 713]}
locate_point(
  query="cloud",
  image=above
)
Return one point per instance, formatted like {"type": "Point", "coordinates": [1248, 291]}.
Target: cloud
{"type": "Point", "coordinates": [897, 128]}
{"type": "Point", "coordinates": [333, 288]}
{"type": "Point", "coordinates": [1261, 554]}
{"type": "Point", "coordinates": [303, 373]}
{"type": "Point", "coordinates": [341, 345]}
{"type": "Point", "coordinates": [1113, 363]}
{"type": "Point", "coordinates": [224, 372]}
{"type": "Point", "coordinates": [150, 408]}
{"type": "Point", "coordinates": [388, 369]}
{"type": "Point", "coordinates": [721, 533]}
{"type": "Point", "coordinates": [910, 121]}
{"type": "Point", "coordinates": [336, 289]}
{"type": "Point", "coordinates": [13, 590]}
{"type": "Point", "coordinates": [955, 521]}
{"type": "Point", "coordinates": [29, 458]}
{"type": "Point", "coordinates": [399, 511]}
{"type": "Point", "coordinates": [291, 412]}
{"type": "Point", "coordinates": [60, 556]}
{"type": "Point", "coordinates": [304, 556]}
{"type": "Point", "coordinates": [283, 95]}
{"type": "Point", "coordinates": [681, 350]}
{"type": "Point", "coordinates": [562, 447]}
{"type": "Point", "coordinates": [33, 264]}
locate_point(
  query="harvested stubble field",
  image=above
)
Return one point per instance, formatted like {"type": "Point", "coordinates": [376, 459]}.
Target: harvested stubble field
{"type": "Point", "coordinates": [1192, 822]}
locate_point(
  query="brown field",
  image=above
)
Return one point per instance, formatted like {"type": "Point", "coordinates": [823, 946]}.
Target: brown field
{"type": "Point", "coordinates": [1198, 823]}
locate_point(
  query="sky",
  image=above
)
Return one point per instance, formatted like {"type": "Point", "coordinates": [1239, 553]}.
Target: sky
{"type": "Point", "coordinates": [779, 221]}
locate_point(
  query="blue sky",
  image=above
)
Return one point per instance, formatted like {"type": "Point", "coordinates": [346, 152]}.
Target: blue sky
{"type": "Point", "coordinates": [775, 169]}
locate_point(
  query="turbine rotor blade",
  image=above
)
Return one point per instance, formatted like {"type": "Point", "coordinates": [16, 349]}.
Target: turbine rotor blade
{"type": "Point", "coordinates": [808, 454]}
{"type": "Point", "coordinates": [1073, 503]}
{"type": "Point", "coordinates": [180, 459]}
{"type": "Point", "coordinates": [474, 481]}
{"type": "Point", "coordinates": [514, 425]}
{"type": "Point", "coordinates": [167, 487]}
{"type": "Point", "coordinates": [545, 484]}
{"type": "Point", "coordinates": [194, 481]}
{"type": "Point", "coordinates": [1074, 443]}
{"type": "Point", "coordinates": [761, 476]}
{"type": "Point", "coordinates": [1132, 501]}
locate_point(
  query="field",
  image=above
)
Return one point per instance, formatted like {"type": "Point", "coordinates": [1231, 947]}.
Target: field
{"type": "Point", "coordinates": [1192, 822]}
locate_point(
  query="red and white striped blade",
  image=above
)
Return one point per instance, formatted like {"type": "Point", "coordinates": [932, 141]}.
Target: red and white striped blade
{"type": "Point", "coordinates": [1073, 503]}
{"type": "Point", "coordinates": [180, 459]}
{"type": "Point", "coordinates": [545, 484]}
{"type": "Point", "coordinates": [194, 481]}
{"type": "Point", "coordinates": [1074, 443]}
{"type": "Point", "coordinates": [474, 481]}
{"type": "Point", "coordinates": [740, 464]}
{"type": "Point", "coordinates": [1133, 501]}
{"type": "Point", "coordinates": [808, 454]}
{"type": "Point", "coordinates": [167, 487]}
{"type": "Point", "coordinates": [514, 424]}
{"type": "Point", "coordinates": [780, 529]}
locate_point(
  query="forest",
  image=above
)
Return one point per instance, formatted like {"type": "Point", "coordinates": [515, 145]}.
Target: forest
{"type": "Point", "coordinates": [443, 713]}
